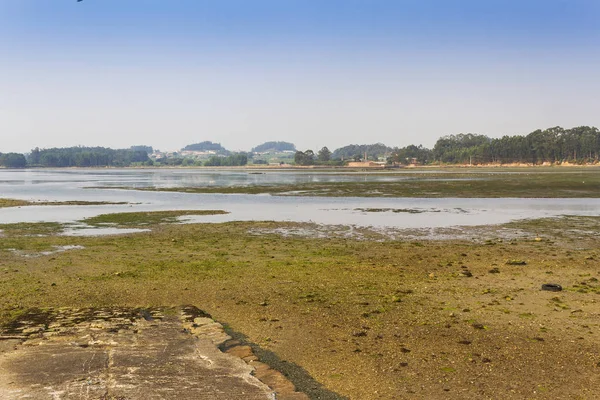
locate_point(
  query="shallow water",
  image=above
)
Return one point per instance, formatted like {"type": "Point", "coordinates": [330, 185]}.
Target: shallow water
{"type": "Point", "coordinates": [64, 185]}
{"type": "Point", "coordinates": [57, 249]}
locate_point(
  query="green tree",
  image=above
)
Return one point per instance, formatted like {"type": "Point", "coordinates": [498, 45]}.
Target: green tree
{"type": "Point", "coordinates": [13, 160]}
{"type": "Point", "coordinates": [405, 155]}
{"type": "Point", "coordinates": [324, 155]}
{"type": "Point", "coordinates": [237, 159]}
{"type": "Point", "coordinates": [374, 151]}
{"type": "Point", "coordinates": [304, 157]}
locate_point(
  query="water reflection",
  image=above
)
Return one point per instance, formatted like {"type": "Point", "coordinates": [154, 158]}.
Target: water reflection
{"type": "Point", "coordinates": [64, 185]}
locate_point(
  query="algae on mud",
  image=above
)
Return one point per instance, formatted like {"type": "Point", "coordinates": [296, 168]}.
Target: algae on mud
{"type": "Point", "coordinates": [369, 320]}
{"type": "Point", "coordinates": [21, 203]}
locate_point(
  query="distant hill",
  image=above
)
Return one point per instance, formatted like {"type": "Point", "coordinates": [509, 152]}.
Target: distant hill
{"type": "Point", "coordinates": [274, 147]}
{"type": "Point", "coordinates": [374, 151]}
{"type": "Point", "coordinates": [147, 149]}
{"type": "Point", "coordinates": [206, 146]}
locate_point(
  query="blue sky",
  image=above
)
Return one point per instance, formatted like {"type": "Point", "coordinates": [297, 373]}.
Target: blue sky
{"type": "Point", "coordinates": [317, 73]}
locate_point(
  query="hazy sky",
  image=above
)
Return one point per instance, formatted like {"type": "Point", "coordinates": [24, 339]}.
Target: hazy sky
{"type": "Point", "coordinates": [314, 72]}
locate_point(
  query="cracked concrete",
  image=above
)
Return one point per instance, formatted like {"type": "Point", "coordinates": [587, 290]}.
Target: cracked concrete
{"type": "Point", "coordinates": [123, 354]}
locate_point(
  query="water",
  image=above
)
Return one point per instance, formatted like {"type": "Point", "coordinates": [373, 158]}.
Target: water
{"type": "Point", "coordinates": [74, 184]}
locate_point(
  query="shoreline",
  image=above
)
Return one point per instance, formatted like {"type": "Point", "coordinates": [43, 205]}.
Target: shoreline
{"type": "Point", "coordinates": [288, 167]}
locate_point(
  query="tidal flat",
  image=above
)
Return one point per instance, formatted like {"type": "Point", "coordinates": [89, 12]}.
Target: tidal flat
{"type": "Point", "coordinates": [531, 182]}
{"type": "Point", "coordinates": [368, 319]}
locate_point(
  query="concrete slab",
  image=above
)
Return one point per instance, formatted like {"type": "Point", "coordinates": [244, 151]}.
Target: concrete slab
{"type": "Point", "coordinates": [122, 354]}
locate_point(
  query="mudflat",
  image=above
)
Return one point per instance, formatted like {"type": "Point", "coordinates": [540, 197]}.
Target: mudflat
{"type": "Point", "coordinates": [521, 182]}
{"type": "Point", "coordinates": [366, 319]}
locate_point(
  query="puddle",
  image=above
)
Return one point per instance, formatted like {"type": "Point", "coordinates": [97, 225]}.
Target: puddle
{"type": "Point", "coordinates": [411, 210]}
{"type": "Point", "coordinates": [57, 249]}
{"type": "Point", "coordinates": [478, 234]}
{"type": "Point", "coordinates": [91, 231]}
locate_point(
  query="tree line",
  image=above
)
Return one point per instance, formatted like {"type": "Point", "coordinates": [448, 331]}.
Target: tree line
{"type": "Point", "coordinates": [577, 145]}
{"type": "Point", "coordinates": [323, 157]}
{"type": "Point", "coordinates": [13, 160]}
{"type": "Point", "coordinates": [86, 157]}
{"type": "Point", "coordinates": [553, 145]}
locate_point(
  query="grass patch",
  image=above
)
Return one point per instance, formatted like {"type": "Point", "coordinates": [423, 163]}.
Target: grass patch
{"type": "Point", "coordinates": [22, 203]}
{"type": "Point", "coordinates": [31, 228]}
{"type": "Point", "coordinates": [134, 219]}
{"type": "Point", "coordinates": [13, 203]}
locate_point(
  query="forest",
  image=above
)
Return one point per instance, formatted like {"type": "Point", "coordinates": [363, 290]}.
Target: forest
{"type": "Point", "coordinates": [577, 145]}
{"type": "Point", "coordinates": [86, 157]}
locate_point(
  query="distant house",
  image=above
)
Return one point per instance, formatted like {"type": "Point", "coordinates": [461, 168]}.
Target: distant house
{"type": "Point", "coordinates": [188, 153]}
{"type": "Point", "coordinates": [366, 164]}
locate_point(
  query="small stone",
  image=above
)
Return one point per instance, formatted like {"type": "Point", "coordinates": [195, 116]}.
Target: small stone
{"type": "Point", "coordinates": [552, 287]}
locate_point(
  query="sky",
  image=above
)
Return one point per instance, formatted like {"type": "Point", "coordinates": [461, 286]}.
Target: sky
{"type": "Point", "coordinates": [117, 73]}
